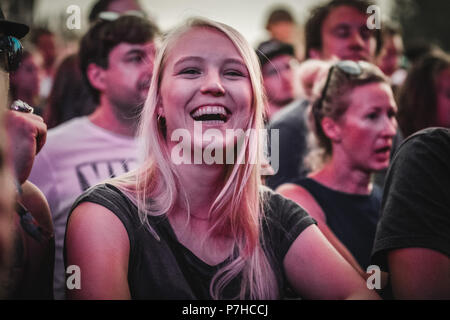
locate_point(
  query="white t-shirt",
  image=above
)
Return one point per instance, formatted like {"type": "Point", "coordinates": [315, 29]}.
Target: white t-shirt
{"type": "Point", "coordinates": [76, 156]}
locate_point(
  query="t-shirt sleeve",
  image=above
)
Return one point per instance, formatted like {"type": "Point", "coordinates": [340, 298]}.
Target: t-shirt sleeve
{"type": "Point", "coordinates": [286, 220]}
{"type": "Point", "coordinates": [112, 199]}
{"type": "Point", "coordinates": [416, 200]}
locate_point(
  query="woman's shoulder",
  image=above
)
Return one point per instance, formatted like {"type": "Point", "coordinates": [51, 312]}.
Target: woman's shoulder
{"type": "Point", "coordinates": [112, 198]}
{"type": "Point", "coordinates": [298, 192]}
{"type": "Point", "coordinates": [278, 207]}
{"type": "Point", "coordinates": [34, 200]}
{"type": "Point", "coordinates": [283, 222]}
{"type": "Point", "coordinates": [104, 194]}
{"type": "Point", "coordinates": [293, 189]}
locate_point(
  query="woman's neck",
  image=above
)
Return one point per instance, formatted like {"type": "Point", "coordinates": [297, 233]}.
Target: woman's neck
{"type": "Point", "coordinates": [340, 176]}
{"type": "Point", "coordinates": [201, 184]}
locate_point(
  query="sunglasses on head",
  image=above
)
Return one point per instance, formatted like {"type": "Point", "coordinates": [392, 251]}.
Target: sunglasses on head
{"type": "Point", "coordinates": [11, 53]}
{"type": "Point", "coordinates": [348, 67]}
{"type": "Point", "coordinates": [112, 16]}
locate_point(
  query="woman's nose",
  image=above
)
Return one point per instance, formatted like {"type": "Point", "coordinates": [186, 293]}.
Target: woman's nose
{"type": "Point", "coordinates": [356, 41]}
{"type": "Point", "coordinates": [213, 85]}
{"type": "Point", "coordinates": [390, 127]}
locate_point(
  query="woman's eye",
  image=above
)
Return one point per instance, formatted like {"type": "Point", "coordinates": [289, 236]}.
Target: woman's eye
{"type": "Point", "coordinates": [342, 32]}
{"type": "Point", "coordinates": [365, 33]}
{"type": "Point", "coordinates": [234, 73]}
{"type": "Point", "coordinates": [372, 116]}
{"type": "Point", "coordinates": [392, 114]}
{"type": "Point", "coordinates": [135, 58]}
{"type": "Point", "coordinates": [189, 71]}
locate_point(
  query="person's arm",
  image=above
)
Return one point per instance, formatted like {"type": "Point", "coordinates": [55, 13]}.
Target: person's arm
{"type": "Point", "coordinates": [97, 242]}
{"type": "Point", "coordinates": [316, 270]}
{"type": "Point", "coordinates": [37, 282]}
{"type": "Point", "coordinates": [419, 273]}
{"type": "Point", "coordinates": [307, 201]}
{"type": "Point", "coordinates": [412, 238]}
{"type": "Point", "coordinates": [27, 134]}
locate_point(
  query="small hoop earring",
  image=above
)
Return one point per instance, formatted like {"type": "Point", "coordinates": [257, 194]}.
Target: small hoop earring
{"type": "Point", "coordinates": [161, 120]}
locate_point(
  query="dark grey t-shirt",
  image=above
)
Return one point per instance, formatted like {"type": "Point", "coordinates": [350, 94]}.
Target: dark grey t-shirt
{"type": "Point", "coordinates": [166, 269]}
{"type": "Point", "coordinates": [416, 200]}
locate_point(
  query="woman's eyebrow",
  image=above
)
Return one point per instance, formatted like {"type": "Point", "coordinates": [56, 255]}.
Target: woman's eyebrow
{"type": "Point", "coordinates": [188, 58]}
{"type": "Point", "coordinates": [236, 61]}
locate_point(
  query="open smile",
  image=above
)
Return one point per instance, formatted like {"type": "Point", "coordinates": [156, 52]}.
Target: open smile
{"type": "Point", "coordinates": [211, 114]}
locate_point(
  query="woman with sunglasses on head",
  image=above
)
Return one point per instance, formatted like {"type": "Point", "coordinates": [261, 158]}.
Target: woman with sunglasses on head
{"type": "Point", "coordinates": [353, 123]}
{"type": "Point", "coordinates": [183, 230]}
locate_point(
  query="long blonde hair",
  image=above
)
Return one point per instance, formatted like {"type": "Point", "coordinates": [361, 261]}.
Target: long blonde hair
{"type": "Point", "coordinates": [237, 211]}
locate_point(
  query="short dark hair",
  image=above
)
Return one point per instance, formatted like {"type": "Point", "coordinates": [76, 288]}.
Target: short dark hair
{"type": "Point", "coordinates": [270, 49]}
{"type": "Point", "coordinates": [37, 33]}
{"type": "Point", "coordinates": [98, 7]}
{"type": "Point", "coordinates": [313, 27]}
{"type": "Point", "coordinates": [391, 28]}
{"type": "Point", "coordinates": [279, 14]}
{"type": "Point", "coordinates": [103, 36]}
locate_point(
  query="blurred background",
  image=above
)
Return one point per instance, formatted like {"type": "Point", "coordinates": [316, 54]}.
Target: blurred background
{"type": "Point", "coordinates": [423, 25]}
{"type": "Point", "coordinates": [425, 20]}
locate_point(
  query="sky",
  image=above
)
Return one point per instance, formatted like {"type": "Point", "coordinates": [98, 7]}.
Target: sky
{"type": "Point", "coordinates": [247, 16]}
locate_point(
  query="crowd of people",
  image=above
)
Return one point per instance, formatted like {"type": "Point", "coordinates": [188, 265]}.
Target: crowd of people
{"type": "Point", "coordinates": [356, 175]}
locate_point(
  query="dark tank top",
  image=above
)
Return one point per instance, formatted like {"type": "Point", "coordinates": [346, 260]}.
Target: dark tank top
{"type": "Point", "coordinates": [353, 218]}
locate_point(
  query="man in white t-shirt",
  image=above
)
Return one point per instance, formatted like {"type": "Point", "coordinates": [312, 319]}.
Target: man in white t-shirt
{"type": "Point", "coordinates": [116, 59]}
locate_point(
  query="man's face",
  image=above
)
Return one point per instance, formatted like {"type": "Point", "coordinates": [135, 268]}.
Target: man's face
{"type": "Point", "coordinates": [283, 31]}
{"type": "Point", "coordinates": [47, 47]}
{"type": "Point", "coordinates": [390, 56]}
{"type": "Point", "coordinates": [345, 36]}
{"type": "Point", "coordinates": [127, 78]}
{"type": "Point", "coordinates": [278, 77]}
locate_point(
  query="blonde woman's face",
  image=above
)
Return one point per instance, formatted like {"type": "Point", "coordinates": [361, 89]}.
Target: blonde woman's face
{"type": "Point", "coordinates": [368, 126]}
{"type": "Point", "coordinates": [205, 82]}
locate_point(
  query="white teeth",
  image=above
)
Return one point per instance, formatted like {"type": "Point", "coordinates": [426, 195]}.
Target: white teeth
{"type": "Point", "coordinates": [210, 110]}
{"type": "Point", "coordinates": [213, 122]}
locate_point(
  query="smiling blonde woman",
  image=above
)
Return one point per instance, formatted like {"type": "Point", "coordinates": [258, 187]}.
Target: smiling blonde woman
{"type": "Point", "coordinates": [201, 231]}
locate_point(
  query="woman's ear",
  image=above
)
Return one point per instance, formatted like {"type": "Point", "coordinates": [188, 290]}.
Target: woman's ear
{"type": "Point", "coordinates": [331, 129]}
{"type": "Point", "coordinates": [160, 112]}
{"type": "Point", "coordinates": [160, 108]}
